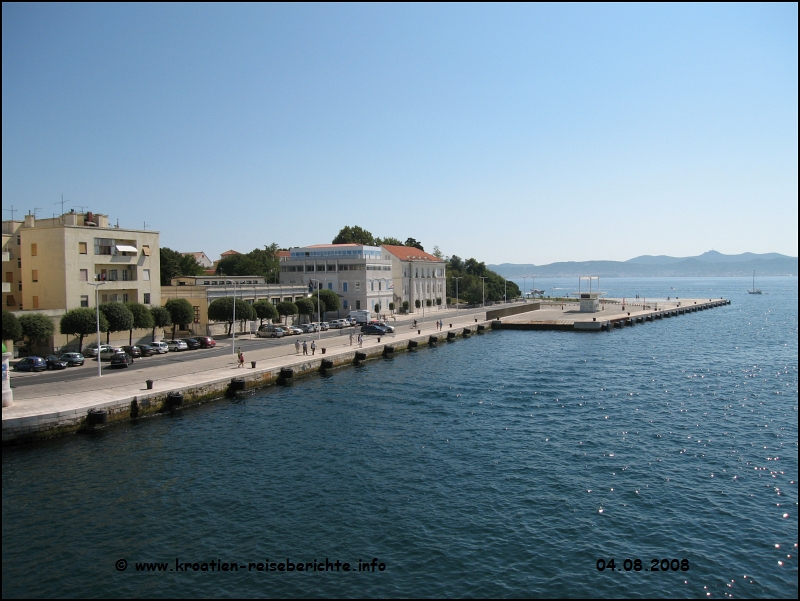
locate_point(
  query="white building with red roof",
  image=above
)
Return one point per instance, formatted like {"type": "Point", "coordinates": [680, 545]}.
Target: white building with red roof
{"type": "Point", "coordinates": [417, 276]}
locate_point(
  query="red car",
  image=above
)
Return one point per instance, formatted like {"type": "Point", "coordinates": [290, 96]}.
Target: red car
{"type": "Point", "coordinates": [206, 341]}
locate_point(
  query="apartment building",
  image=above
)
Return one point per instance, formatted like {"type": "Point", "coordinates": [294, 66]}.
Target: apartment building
{"type": "Point", "coordinates": [361, 275]}
{"type": "Point", "coordinates": [53, 264]}
{"type": "Point", "coordinates": [417, 275]}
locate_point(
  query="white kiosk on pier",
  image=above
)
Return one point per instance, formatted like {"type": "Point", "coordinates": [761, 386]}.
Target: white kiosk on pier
{"type": "Point", "coordinates": [590, 298]}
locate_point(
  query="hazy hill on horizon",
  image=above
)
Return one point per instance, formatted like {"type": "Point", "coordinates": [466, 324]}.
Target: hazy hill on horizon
{"type": "Point", "coordinates": [711, 263]}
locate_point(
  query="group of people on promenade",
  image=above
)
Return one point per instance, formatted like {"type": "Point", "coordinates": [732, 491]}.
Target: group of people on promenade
{"type": "Point", "coordinates": [305, 347]}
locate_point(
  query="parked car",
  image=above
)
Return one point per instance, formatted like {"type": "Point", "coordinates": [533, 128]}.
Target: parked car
{"type": "Point", "coordinates": [109, 351]}
{"type": "Point", "coordinates": [309, 328]}
{"type": "Point", "coordinates": [146, 350]}
{"type": "Point", "coordinates": [121, 359]}
{"type": "Point", "coordinates": [54, 362]}
{"type": "Point", "coordinates": [383, 324]}
{"type": "Point", "coordinates": [91, 350]}
{"type": "Point", "coordinates": [73, 359]}
{"type": "Point", "coordinates": [292, 330]}
{"type": "Point", "coordinates": [161, 347]}
{"type": "Point", "coordinates": [372, 328]}
{"type": "Point", "coordinates": [339, 324]}
{"type": "Point", "coordinates": [206, 341]}
{"type": "Point", "coordinates": [192, 343]}
{"type": "Point", "coordinates": [133, 351]}
{"type": "Point", "coordinates": [270, 331]}
{"type": "Point", "coordinates": [31, 364]}
{"type": "Point", "coordinates": [177, 345]}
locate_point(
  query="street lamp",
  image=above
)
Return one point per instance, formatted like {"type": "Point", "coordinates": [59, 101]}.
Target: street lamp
{"type": "Point", "coordinates": [483, 282]}
{"type": "Point", "coordinates": [233, 325]}
{"type": "Point", "coordinates": [457, 299]}
{"type": "Point", "coordinates": [97, 309]}
{"type": "Point", "coordinates": [525, 277]}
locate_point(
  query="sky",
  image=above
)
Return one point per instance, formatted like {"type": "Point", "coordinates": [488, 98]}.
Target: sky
{"type": "Point", "coordinates": [509, 133]}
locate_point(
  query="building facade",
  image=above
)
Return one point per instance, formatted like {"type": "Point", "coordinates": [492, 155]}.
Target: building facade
{"type": "Point", "coordinates": [417, 275]}
{"type": "Point", "coordinates": [54, 263]}
{"type": "Point", "coordinates": [360, 275]}
{"type": "Point", "coordinates": [201, 291]}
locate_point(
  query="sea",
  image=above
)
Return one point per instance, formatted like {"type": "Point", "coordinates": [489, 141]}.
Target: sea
{"type": "Point", "coordinates": [659, 460]}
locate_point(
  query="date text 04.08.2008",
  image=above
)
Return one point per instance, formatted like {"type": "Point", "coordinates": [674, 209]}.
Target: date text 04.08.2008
{"type": "Point", "coordinates": [656, 565]}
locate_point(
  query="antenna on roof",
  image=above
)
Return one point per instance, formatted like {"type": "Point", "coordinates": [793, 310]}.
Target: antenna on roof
{"type": "Point", "coordinates": [81, 208]}
{"type": "Point", "coordinates": [61, 202]}
{"type": "Point", "coordinates": [12, 210]}
{"type": "Point", "coordinates": [145, 224]}
{"type": "Point", "coordinates": [34, 210]}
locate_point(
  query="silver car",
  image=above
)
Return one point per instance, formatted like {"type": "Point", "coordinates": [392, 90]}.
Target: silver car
{"type": "Point", "coordinates": [177, 345]}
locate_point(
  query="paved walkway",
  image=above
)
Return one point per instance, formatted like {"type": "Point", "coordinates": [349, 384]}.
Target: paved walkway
{"type": "Point", "coordinates": [80, 395]}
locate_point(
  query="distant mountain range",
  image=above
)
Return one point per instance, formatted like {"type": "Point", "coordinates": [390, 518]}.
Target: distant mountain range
{"type": "Point", "coordinates": [711, 263]}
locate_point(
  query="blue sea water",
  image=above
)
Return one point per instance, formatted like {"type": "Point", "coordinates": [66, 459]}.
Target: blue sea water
{"type": "Point", "coordinates": [506, 464]}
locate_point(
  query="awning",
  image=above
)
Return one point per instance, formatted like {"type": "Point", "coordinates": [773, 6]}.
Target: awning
{"type": "Point", "coordinates": [127, 249]}
{"type": "Point", "coordinates": [146, 250]}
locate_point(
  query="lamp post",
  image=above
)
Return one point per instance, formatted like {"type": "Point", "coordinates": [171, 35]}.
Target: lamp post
{"type": "Point", "coordinates": [233, 325]}
{"type": "Point", "coordinates": [505, 291]}
{"type": "Point", "coordinates": [97, 310]}
{"type": "Point", "coordinates": [525, 277]}
{"type": "Point", "coordinates": [457, 299]}
{"type": "Point", "coordinates": [483, 282]}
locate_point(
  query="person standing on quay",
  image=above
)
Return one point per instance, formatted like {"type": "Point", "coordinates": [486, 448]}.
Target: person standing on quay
{"type": "Point", "coordinates": [351, 338]}
{"type": "Point", "coordinates": [297, 347]}
{"type": "Point", "coordinates": [241, 358]}
{"type": "Point", "coordinates": [361, 340]}
{"type": "Point", "coordinates": [313, 347]}
{"type": "Point", "coordinates": [305, 348]}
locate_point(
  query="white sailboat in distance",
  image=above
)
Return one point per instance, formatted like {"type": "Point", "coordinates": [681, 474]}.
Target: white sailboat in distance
{"type": "Point", "coordinates": [754, 290]}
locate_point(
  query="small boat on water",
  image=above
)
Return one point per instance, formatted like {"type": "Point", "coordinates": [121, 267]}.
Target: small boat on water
{"type": "Point", "coordinates": [754, 290]}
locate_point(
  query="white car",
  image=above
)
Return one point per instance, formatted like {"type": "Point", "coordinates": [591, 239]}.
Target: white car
{"type": "Point", "coordinates": [106, 352]}
{"type": "Point", "coordinates": [91, 350]}
{"type": "Point", "coordinates": [161, 347]}
{"type": "Point", "coordinates": [177, 345]}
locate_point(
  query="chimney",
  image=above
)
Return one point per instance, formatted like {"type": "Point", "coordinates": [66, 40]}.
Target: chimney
{"type": "Point", "coordinates": [30, 220]}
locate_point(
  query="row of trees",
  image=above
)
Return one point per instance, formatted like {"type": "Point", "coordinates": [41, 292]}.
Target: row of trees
{"type": "Point", "coordinates": [358, 235]}
{"type": "Point", "coordinates": [470, 284]}
{"type": "Point", "coordinates": [259, 262]}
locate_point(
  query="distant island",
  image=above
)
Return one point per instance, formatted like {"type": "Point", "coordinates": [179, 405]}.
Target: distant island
{"type": "Point", "coordinates": [711, 263]}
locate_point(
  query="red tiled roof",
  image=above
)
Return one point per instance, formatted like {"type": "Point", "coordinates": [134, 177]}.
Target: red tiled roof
{"type": "Point", "coordinates": [410, 253]}
{"type": "Point", "coordinates": [229, 252]}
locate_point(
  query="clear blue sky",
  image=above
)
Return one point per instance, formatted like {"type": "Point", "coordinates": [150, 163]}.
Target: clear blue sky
{"type": "Point", "coordinates": [511, 133]}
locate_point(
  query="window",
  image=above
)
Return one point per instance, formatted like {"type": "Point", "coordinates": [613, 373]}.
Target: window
{"type": "Point", "coordinates": [146, 275]}
{"type": "Point", "coordinates": [104, 298]}
{"type": "Point", "coordinates": [124, 298]}
{"type": "Point", "coordinates": [20, 286]}
{"type": "Point", "coordinates": [146, 250]}
{"type": "Point", "coordinates": [35, 302]}
{"type": "Point", "coordinates": [344, 304]}
{"type": "Point", "coordinates": [19, 263]}
{"type": "Point", "coordinates": [34, 275]}
{"type": "Point", "coordinates": [344, 286]}
{"type": "Point", "coordinates": [146, 298]}
{"type": "Point", "coordinates": [82, 248]}
{"type": "Point", "coordinates": [34, 250]}
{"type": "Point", "coordinates": [196, 314]}
{"type": "Point", "coordinates": [102, 246]}
{"type": "Point", "coordinates": [84, 276]}
{"type": "Point", "coordinates": [10, 300]}
{"type": "Point", "coordinates": [84, 300]}
{"type": "Point", "coordinates": [205, 283]}
{"type": "Point", "coordinates": [9, 276]}
{"type": "Point", "coordinates": [358, 305]}
{"type": "Point", "coordinates": [358, 285]}
{"type": "Point", "coordinates": [112, 275]}
{"type": "Point", "coordinates": [330, 286]}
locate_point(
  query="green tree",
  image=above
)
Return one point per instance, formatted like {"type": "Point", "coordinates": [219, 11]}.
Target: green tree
{"type": "Point", "coordinates": [330, 300]}
{"type": "Point", "coordinates": [306, 306]}
{"type": "Point", "coordinates": [388, 241]}
{"type": "Point", "coordinates": [428, 302]}
{"type": "Point", "coordinates": [188, 265]}
{"type": "Point", "coordinates": [354, 235]}
{"type": "Point", "coordinates": [391, 307]}
{"type": "Point", "coordinates": [417, 304]}
{"type": "Point", "coordinates": [222, 310]}
{"type": "Point", "coordinates": [11, 328]}
{"type": "Point", "coordinates": [439, 301]}
{"type": "Point", "coordinates": [161, 319]}
{"type": "Point", "coordinates": [437, 252]}
{"type": "Point", "coordinates": [286, 308]}
{"type": "Point", "coordinates": [377, 308]}
{"type": "Point", "coordinates": [180, 312]}
{"type": "Point", "coordinates": [142, 318]}
{"type": "Point", "coordinates": [405, 306]}
{"type": "Point", "coordinates": [258, 262]}
{"type": "Point", "coordinates": [265, 310]}
{"type": "Point", "coordinates": [82, 322]}
{"type": "Point", "coordinates": [36, 326]}
{"type": "Point", "coordinates": [175, 264]}
{"type": "Point", "coordinates": [119, 318]}
{"type": "Point", "coordinates": [414, 243]}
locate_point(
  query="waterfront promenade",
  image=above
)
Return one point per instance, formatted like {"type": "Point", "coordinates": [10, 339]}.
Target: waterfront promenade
{"type": "Point", "coordinates": [47, 409]}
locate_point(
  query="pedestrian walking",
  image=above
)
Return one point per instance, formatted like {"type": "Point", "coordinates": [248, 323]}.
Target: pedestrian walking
{"type": "Point", "coordinates": [313, 347]}
{"type": "Point", "coordinates": [241, 358]}
{"type": "Point", "coordinates": [305, 347]}
{"type": "Point", "coordinates": [297, 347]}
{"type": "Point", "coordinates": [361, 340]}
{"type": "Point", "coordinates": [351, 338]}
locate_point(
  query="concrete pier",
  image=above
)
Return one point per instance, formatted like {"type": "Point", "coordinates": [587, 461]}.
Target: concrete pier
{"type": "Point", "coordinates": [614, 313]}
